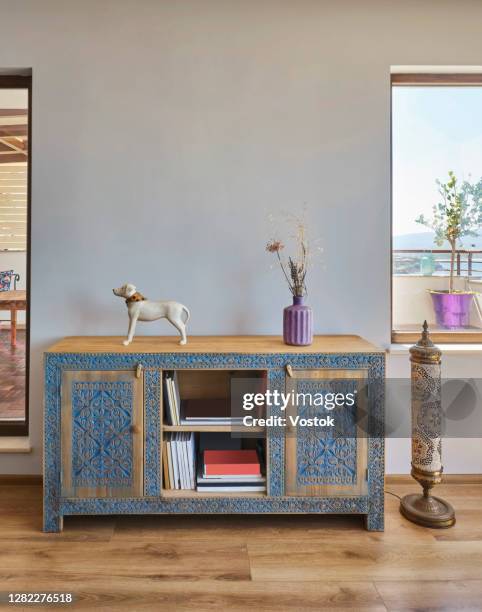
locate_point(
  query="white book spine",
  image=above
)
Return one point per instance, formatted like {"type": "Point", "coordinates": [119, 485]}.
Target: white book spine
{"type": "Point", "coordinates": [175, 420]}
{"type": "Point", "coordinates": [169, 464]}
{"type": "Point", "coordinates": [186, 461]}
{"type": "Point", "coordinates": [177, 397]}
{"type": "Point", "coordinates": [167, 382]}
{"type": "Point", "coordinates": [180, 458]}
{"type": "Point", "coordinates": [192, 460]}
{"type": "Point", "coordinates": [167, 401]}
{"type": "Point", "coordinates": [175, 462]}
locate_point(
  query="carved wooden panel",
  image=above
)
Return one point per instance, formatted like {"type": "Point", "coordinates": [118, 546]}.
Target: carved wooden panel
{"type": "Point", "coordinates": [102, 427]}
{"type": "Point", "coordinates": [326, 460]}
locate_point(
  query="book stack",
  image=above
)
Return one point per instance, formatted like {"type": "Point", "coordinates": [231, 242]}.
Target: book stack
{"type": "Point", "coordinates": [208, 412]}
{"type": "Point", "coordinates": [172, 399]}
{"type": "Point", "coordinates": [227, 471]}
{"type": "Point", "coordinates": [179, 461]}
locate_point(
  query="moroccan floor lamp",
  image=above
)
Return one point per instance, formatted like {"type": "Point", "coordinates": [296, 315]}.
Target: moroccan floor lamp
{"type": "Point", "coordinates": [424, 509]}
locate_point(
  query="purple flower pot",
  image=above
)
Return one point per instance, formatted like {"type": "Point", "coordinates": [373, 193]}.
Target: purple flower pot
{"type": "Point", "coordinates": [452, 310]}
{"type": "Point", "coordinates": [298, 323]}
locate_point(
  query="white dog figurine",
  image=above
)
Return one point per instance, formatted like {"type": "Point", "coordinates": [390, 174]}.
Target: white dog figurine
{"type": "Point", "coordinates": [141, 309]}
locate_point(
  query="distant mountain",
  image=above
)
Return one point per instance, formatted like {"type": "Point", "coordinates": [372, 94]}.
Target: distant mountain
{"type": "Point", "coordinates": [425, 240]}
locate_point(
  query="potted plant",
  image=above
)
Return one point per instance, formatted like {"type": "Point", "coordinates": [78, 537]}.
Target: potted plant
{"type": "Point", "coordinates": [297, 318]}
{"type": "Point", "coordinates": [459, 214]}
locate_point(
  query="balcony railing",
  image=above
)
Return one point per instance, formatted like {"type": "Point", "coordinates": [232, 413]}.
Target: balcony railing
{"type": "Point", "coordinates": [409, 261]}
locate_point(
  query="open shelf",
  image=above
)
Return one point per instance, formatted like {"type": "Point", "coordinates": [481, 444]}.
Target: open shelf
{"type": "Point", "coordinates": [177, 493]}
{"type": "Point", "coordinates": [238, 429]}
{"type": "Point", "coordinates": [205, 386]}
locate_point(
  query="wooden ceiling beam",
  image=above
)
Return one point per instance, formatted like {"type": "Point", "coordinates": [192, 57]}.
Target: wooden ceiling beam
{"type": "Point", "coordinates": [15, 144]}
{"type": "Point", "coordinates": [13, 130]}
{"type": "Point", "coordinates": [13, 112]}
{"type": "Point", "coordinates": [11, 158]}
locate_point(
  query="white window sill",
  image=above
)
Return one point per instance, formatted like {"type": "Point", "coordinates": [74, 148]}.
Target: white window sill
{"type": "Point", "coordinates": [15, 444]}
{"type": "Point", "coordinates": [452, 349]}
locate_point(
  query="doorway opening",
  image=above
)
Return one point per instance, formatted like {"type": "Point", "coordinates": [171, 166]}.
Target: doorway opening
{"type": "Point", "coordinates": [15, 171]}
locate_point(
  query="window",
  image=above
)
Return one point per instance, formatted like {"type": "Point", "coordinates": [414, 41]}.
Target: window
{"type": "Point", "coordinates": [437, 206]}
{"type": "Point", "coordinates": [14, 253]}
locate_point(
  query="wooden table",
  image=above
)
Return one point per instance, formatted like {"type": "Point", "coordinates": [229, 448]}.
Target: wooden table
{"type": "Point", "coordinates": [13, 301]}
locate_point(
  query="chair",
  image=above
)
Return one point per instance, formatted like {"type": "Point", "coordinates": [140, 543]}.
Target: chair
{"type": "Point", "coordinates": [8, 277]}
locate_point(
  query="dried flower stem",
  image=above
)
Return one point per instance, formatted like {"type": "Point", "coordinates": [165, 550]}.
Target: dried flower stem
{"type": "Point", "coordinates": [284, 271]}
{"type": "Point", "coordinates": [295, 269]}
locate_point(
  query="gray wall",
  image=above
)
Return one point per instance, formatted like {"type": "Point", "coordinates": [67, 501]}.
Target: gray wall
{"type": "Point", "coordinates": [164, 132]}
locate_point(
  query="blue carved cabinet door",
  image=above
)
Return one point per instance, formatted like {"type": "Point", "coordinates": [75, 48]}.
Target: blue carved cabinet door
{"type": "Point", "coordinates": [326, 442]}
{"type": "Point", "coordinates": [101, 434]}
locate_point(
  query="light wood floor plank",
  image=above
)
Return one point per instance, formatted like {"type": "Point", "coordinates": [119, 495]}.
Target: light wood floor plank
{"type": "Point", "coordinates": [148, 593]}
{"type": "Point", "coordinates": [436, 595]}
{"type": "Point", "coordinates": [375, 561]}
{"type": "Point", "coordinates": [175, 561]}
{"type": "Point", "coordinates": [468, 528]}
{"type": "Point", "coordinates": [462, 497]}
{"type": "Point", "coordinates": [28, 527]}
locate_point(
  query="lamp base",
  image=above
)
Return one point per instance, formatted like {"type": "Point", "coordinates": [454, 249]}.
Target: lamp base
{"type": "Point", "coordinates": [427, 511]}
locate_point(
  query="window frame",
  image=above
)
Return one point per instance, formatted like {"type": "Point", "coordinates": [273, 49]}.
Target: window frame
{"type": "Point", "coordinates": [417, 79]}
{"type": "Point", "coordinates": [9, 428]}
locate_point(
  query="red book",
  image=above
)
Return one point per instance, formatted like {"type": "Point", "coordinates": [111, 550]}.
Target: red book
{"type": "Point", "coordinates": [242, 462]}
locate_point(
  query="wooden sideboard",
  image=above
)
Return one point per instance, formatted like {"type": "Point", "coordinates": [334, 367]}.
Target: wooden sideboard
{"type": "Point", "coordinates": [105, 457]}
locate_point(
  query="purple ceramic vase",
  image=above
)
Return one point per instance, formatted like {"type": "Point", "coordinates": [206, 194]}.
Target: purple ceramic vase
{"type": "Point", "coordinates": [298, 323]}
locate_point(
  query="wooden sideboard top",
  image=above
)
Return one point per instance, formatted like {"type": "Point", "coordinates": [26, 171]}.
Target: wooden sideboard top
{"type": "Point", "coordinates": [211, 344]}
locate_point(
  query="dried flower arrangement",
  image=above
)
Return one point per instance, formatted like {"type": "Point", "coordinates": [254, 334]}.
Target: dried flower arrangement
{"type": "Point", "coordinates": [294, 268]}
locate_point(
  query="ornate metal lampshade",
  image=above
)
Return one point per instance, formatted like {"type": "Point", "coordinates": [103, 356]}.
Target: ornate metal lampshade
{"type": "Point", "coordinates": [425, 509]}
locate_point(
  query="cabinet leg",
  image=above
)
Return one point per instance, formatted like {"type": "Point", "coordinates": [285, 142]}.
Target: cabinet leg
{"type": "Point", "coordinates": [53, 521]}
{"type": "Point", "coordinates": [375, 519]}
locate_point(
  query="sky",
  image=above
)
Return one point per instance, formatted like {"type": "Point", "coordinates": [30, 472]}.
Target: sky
{"type": "Point", "coordinates": [434, 130]}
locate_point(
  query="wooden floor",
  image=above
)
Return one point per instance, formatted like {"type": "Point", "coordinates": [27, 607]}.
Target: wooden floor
{"type": "Point", "coordinates": [246, 563]}
{"type": "Point", "coordinates": [12, 376]}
